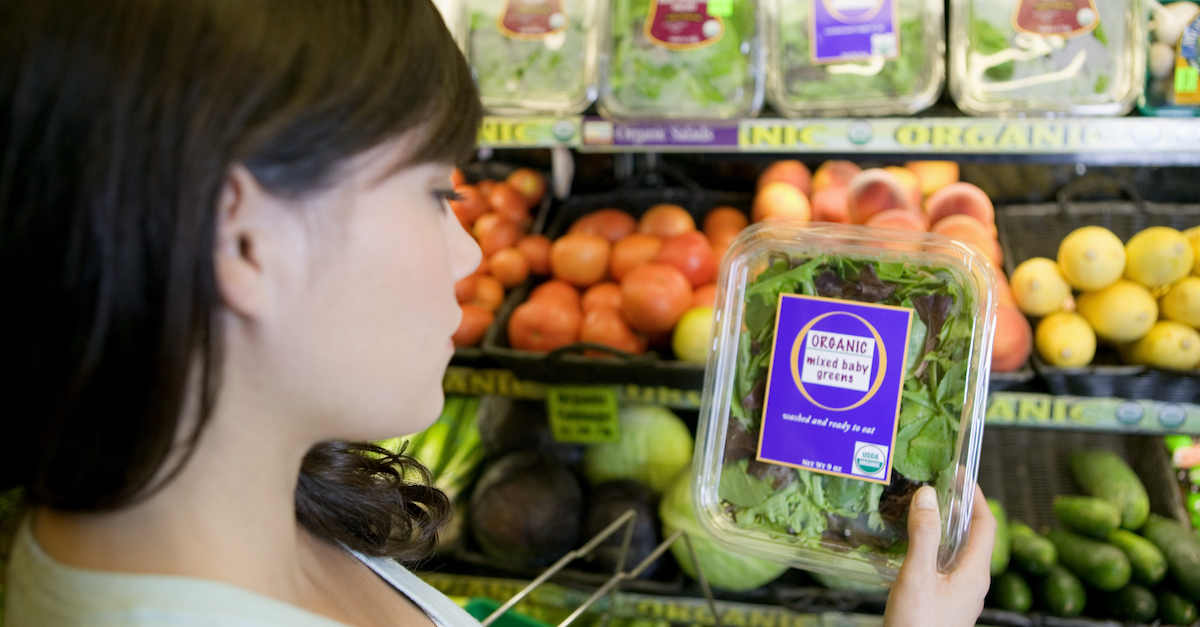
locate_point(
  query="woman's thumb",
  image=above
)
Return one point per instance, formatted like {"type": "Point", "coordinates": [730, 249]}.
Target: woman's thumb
{"type": "Point", "coordinates": [924, 530]}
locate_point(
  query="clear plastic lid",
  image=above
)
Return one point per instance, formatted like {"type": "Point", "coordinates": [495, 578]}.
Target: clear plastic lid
{"type": "Point", "coordinates": [534, 56]}
{"type": "Point", "coordinates": [849, 367]}
{"type": "Point", "coordinates": [682, 59]}
{"type": "Point", "coordinates": [1173, 62]}
{"type": "Point", "coordinates": [848, 57]}
{"type": "Point", "coordinates": [1076, 57]}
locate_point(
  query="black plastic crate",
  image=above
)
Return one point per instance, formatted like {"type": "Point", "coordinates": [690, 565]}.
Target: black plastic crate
{"type": "Point", "coordinates": [1028, 231]}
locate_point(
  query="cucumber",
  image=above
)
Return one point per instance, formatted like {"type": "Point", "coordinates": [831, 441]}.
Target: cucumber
{"type": "Point", "coordinates": [1174, 609]}
{"type": "Point", "coordinates": [1087, 515]}
{"type": "Point", "coordinates": [1182, 549]}
{"type": "Point", "coordinates": [1031, 553]}
{"type": "Point", "coordinates": [1003, 547]}
{"type": "Point", "coordinates": [1148, 563]}
{"type": "Point", "coordinates": [1133, 603]}
{"type": "Point", "coordinates": [1012, 593]}
{"type": "Point", "coordinates": [1100, 564]}
{"type": "Point", "coordinates": [1105, 475]}
{"type": "Point", "coordinates": [1063, 593]}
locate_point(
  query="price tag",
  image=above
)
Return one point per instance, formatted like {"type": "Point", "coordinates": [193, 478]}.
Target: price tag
{"type": "Point", "coordinates": [720, 8]}
{"type": "Point", "coordinates": [583, 414]}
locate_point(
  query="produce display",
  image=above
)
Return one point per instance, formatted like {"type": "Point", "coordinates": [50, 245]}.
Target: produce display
{"type": "Point", "coordinates": [899, 77]}
{"type": "Point", "coordinates": [1083, 57]}
{"type": "Point", "coordinates": [1172, 83]}
{"type": "Point", "coordinates": [1141, 298]}
{"type": "Point", "coordinates": [682, 59]}
{"type": "Point", "coordinates": [534, 56]}
{"type": "Point", "coordinates": [497, 215]}
{"type": "Point", "coordinates": [1111, 558]}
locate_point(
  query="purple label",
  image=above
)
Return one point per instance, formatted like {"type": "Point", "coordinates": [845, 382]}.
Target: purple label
{"type": "Point", "coordinates": [675, 134]}
{"type": "Point", "coordinates": [854, 30]}
{"type": "Point", "coordinates": [834, 385]}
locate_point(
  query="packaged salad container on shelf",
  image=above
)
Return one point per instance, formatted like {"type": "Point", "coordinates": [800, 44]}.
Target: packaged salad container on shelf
{"type": "Point", "coordinates": [849, 367]}
{"type": "Point", "coordinates": [1173, 62]}
{"type": "Point", "coordinates": [847, 57]}
{"type": "Point", "coordinates": [535, 56]}
{"type": "Point", "coordinates": [1042, 57]}
{"type": "Point", "coordinates": [682, 59]}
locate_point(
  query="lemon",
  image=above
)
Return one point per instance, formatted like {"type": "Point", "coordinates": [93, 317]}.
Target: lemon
{"type": "Point", "coordinates": [1171, 345]}
{"type": "Point", "coordinates": [1065, 340]}
{"type": "Point", "coordinates": [1039, 287]}
{"type": "Point", "coordinates": [693, 335]}
{"type": "Point", "coordinates": [1182, 302]}
{"type": "Point", "coordinates": [1193, 236]}
{"type": "Point", "coordinates": [1121, 312]}
{"type": "Point", "coordinates": [1157, 256]}
{"type": "Point", "coordinates": [1091, 258]}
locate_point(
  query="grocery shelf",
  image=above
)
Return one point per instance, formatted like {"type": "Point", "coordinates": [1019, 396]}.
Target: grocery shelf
{"type": "Point", "coordinates": [1114, 141]}
{"type": "Point", "coordinates": [1016, 409]}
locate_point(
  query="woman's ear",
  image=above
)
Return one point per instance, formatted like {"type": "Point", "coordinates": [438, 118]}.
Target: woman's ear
{"type": "Point", "coordinates": [239, 261]}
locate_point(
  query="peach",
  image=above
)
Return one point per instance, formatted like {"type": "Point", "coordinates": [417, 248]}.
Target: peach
{"type": "Point", "coordinates": [783, 202]}
{"type": "Point", "coordinates": [830, 205]}
{"type": "Point", "coordinates": [1013, 340]}
{"type": "Point", "coordinates": [873, 191]}
{"type": "Point", "coordinates": [934, 175]}
{"type": "Point", "coordinates": [834, 174]}
{"type": "Point", "coordinates": [967, 229]}
{"type": "Point", "coordinates": [902, 219]}
{"type": "Point", "coordinates": [961, 199]}
{"type": "Point", "coordinates": [789, 171]}
{"type": "Point", "coordinates": [908, 181]}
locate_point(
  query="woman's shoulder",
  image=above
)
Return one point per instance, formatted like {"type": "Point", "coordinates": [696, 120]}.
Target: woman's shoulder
{"type": "Point", "coordinates": [42, 592]}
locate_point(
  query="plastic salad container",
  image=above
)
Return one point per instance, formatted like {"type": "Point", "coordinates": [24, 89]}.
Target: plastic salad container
{"type": "Point", "coordinates": [1075, 57]}
{"type": "Point", "coordinates": [1173, 61]}
{"type": "Point", "coordinates": [880, 57]}
{"type": "Point", "coordinates": [534, 56]}
{"type": "Point", "coordinates": [849, 367]}
{"type": "Point", "coordinates": [682, 59]}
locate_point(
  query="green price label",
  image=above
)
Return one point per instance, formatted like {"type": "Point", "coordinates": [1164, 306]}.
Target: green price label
{"type": "Point", "coordinates": [720, 8]}
{"type": "Point", "coordinates": [583, 414]}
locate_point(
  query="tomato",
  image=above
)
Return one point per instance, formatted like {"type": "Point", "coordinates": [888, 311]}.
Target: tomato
{"type": "Point", "coordinates": [485, 187]}
{"type": "Point", "coordinates": [560, 291]}
{"type": "Point", "coordinates": [458, 178]}
{"type": "Point", "coordinates": [654, 297]}
{"type": "Point", "coordinates": [790, 171]}
{"type": "Point", "coordinates": [611, 224]}
{"type": "Point", "coordinates": [602, 295]}
{"type": "Point", "coordinates": [470, 205]}
{"type": "Point", "coordinates": [631, 252]}
{"type": "Point", "coordinates": [693, 255]}
{"type": "Point", "coordinates": [508, 202]}
{"type": "Point", "coordinates": [606, 326]}
{"type": "Point", "coordinates": [529, 183]}
{"type": "Point", "coordinates": [536, 249]}
{"type": "Point", "coordinates": [723, 219]}
{"type": "Point", "coordinates": [489, 293]}
{"type": "Point", "coordinates": [543, 325]}
{"type": "Point", "coordinates": [510, 267]}
{"type": "Point", "coordinates": [665, 221]}
{"type": "Point", "coordinates": [475, 323]}
{"type": "Point", "coordinates": [464, 290]}
{"type": "Point", "coordinates": [720, 239]}
{"type": "Point", "coordinates": [484, 268]}
{"type": "Point", "coordinates": [580, 259]}
{"type": "Point", "coordinates": [706, 296]}
{"type": "Point", "coordinates": [502, 234]}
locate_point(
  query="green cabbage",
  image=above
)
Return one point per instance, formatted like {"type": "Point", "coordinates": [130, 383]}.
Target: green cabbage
{"type": "Point", "coordinates": [722, 568]}
{"type": "Point", "coordinates": [655, 446]}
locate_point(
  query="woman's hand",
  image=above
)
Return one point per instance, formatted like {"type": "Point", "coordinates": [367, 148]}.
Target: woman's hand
{"type": "Point", "coordinates": [923, 597]}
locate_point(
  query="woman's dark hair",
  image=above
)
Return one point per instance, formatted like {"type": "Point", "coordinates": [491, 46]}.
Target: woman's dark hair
{"type": "Point", "coordinates": [119, 122]}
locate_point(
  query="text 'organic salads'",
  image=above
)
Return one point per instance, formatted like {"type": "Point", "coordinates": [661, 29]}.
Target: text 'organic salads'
{"type": "Point", "coordinates": [533, 55]}
{"type": "Point", "coordinates": [681, 59]}
{"type": "Point", "coordinates": [847, 513]}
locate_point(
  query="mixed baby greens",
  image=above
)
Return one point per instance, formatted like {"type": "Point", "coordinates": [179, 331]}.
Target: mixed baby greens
{"type": "Point", "coordinates": [713, 80]}
{"type": "Point", "coordinates": [835, 512]}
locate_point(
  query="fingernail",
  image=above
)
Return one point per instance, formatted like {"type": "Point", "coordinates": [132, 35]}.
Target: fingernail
{"type": "Point", "coordinates": [926, 498]}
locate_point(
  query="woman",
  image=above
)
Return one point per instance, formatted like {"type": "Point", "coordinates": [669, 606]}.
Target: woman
{"type": "Point", "coordinates": [224, 237]}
